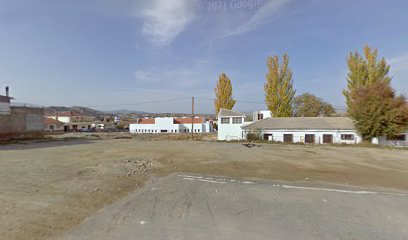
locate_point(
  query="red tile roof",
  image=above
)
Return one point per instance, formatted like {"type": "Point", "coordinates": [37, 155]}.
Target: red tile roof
{"type": "Point", "coordinates": [51, 121]}
{"type": "Point", "coordinates": [188, 120]}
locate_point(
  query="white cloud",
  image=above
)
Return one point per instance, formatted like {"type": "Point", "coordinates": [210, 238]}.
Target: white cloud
{"type": "Point", "coordinates": [399, 63]}
{"type": "Point", "coordinates": [175, 77]}
{"type": "Point", "coordinates": [164, 20]}
{"type": "Point", "coordinates": [269, 9]}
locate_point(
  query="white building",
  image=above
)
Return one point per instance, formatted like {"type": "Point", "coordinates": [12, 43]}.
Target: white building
{"type": "Point", "coordinates": [317, 130]}
{"type": "Point", "coordinates": [229, 125]}
{"type": "Point", "coordinates": [259, 115]}
{"type": "Point", "coordinates": [170, 125]}
{"type": "Point", "coordinates": [74, 121]}
{"type": "Point", "coordinates": [5, 103]}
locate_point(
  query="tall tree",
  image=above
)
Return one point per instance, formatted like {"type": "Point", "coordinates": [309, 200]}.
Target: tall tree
{"type": "Point", "coordinates": [308, 105]}
{"type": "Point", "coordinates": [364, 71]}
{"type": "Point", "coordinates": [279, 91]}
{"type": "Point", "coordinates": [370, 99]}
{"type": "Point", "coordinates": [223, 93]}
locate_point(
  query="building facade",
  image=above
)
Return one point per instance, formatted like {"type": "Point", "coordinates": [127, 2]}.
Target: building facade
{"type": "Point", "coordinates": [52, 125]}
{"type": "Point", "coordinates": [74, 121]}
{"type": "Point", "coordinates": [229, 125]}
{"type": "Point", "coordinates": [5, 105]}
{"type": "Point", "coordinates": [170, 125]}
{"type": "Point", "coordinates": [19, 122]}
{"type": "Point", "coordinates": [313, 130]}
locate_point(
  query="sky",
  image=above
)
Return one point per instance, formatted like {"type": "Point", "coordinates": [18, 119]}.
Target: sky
{"type": "Point", "coordinates": [154, 55]}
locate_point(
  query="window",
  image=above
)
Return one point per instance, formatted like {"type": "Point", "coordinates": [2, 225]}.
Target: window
{"type": "Point", "coordinates": [327, 138]}
{"type": "Point", "coordinates": [236, 120]}
{"type": "Point", "coordinates": [309, 138]}
{"type": "Point", "coordinates": [260, 116]}
{"type": "Point", "coordinates": [198, 130]}
{"type": "Point", "coordinates": [225, 120]}
{"type": "Point", "coordinates": [347, 136]}
{"type": "Point", "coordinates": [175, 131]}
{"type": "Point", "coordinates": [288, 138]}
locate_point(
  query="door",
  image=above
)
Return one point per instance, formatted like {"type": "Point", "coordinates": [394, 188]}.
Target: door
{"type": "Point", "coordinates": [310, 138]}
{"type": "Point", "coordinates": [327, 138]}
{"type": "Point", "coordinates": [267, 137]}
{"type": "Point", "coordinates": [288, 138]}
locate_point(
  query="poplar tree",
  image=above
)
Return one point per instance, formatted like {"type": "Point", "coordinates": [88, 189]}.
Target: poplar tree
{"type": "Point", "coordinates": [365, 71]}
{"type": "Point", "coordinates": [279, 91]}
{"type": "Point", "coordinates": [223, 93]}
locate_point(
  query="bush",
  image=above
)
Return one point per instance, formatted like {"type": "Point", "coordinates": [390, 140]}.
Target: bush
{"type": "Point", "coordinates": [254, 136]}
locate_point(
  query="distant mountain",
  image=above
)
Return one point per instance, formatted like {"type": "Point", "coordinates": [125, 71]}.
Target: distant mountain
{"type": "Point", "coordinates": [124, 111]}
{"type": "Point", "coordinates": [90, 111]}
{"type": "Point", "coordinates": [84, 110]}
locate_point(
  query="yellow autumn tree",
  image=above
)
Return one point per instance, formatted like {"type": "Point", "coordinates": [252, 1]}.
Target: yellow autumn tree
{"type": "Point", "coordinates": [279, 91]}
{"type": "Point", "coordinates": [223, 93]}
{"type": "Point", "coordinates": [365, 70]}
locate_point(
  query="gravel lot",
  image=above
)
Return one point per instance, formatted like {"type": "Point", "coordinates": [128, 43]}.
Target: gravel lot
{"type": "Point", "coordinates": [47, 188]}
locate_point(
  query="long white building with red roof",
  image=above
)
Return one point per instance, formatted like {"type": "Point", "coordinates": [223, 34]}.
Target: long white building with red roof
{"type": "Point", "coordinates": [171, 125]}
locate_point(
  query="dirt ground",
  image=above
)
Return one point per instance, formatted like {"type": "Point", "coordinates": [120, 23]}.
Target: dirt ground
{"type": "Point", "coordinates": [48, 187]}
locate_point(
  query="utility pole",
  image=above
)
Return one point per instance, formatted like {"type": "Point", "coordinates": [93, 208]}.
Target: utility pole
{"type": "Point", "coordinates": [192, 118]}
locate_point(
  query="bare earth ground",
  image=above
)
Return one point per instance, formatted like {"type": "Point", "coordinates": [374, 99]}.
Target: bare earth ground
{"type": "Point", "coordinates": [47, 188]}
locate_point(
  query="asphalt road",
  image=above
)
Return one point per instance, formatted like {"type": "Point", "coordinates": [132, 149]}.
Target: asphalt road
{"type": "Point", "coordinates": [184, 206]}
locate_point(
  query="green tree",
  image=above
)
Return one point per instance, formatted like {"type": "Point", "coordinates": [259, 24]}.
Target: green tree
{"type": "Point", "coordinates": [364, 71]}
{"type": "Point", "coordinates": [371, 101]}
{"type": "Point", "coordinates": [223, 94]}
{"type": "Point", "coordinates": [378, 111]}
{"type": "Point", "coordinates": [308, 105]}
{"type": "Point", "coordinates": [279, 91]}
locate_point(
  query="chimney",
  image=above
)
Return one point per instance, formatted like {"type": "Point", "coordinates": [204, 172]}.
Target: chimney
{"type": "Point", "coordinates": [7, 91]}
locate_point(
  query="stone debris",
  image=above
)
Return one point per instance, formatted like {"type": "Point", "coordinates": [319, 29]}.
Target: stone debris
{"type": "Point", "coordinates": [137, 165]}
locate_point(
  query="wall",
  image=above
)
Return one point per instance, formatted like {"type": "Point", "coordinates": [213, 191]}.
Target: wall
{"type": "Point", "coordinates": [22, 122]}
{"type": "Point", "coordinates": [394, 142]}
{"type": "Point", "coordinates": [299, 135]}
{"type": "Point", "coordinates": [61, 119]}
{"type": "Point", "coordinates": [4, 107]}
{"type": "Point", "coordinates": [230, 131]}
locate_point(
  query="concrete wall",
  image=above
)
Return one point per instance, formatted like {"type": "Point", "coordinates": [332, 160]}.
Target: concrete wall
{"type": "Point", "coordinates": [22, 122]}
{"type": "Point", "coordinates": [4, 108]}
{"type": "Point", "coordinates": [393, 142]}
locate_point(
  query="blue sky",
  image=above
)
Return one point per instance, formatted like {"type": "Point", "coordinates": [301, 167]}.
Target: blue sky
{"type": "Point", "coordinates": [112, 54]}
